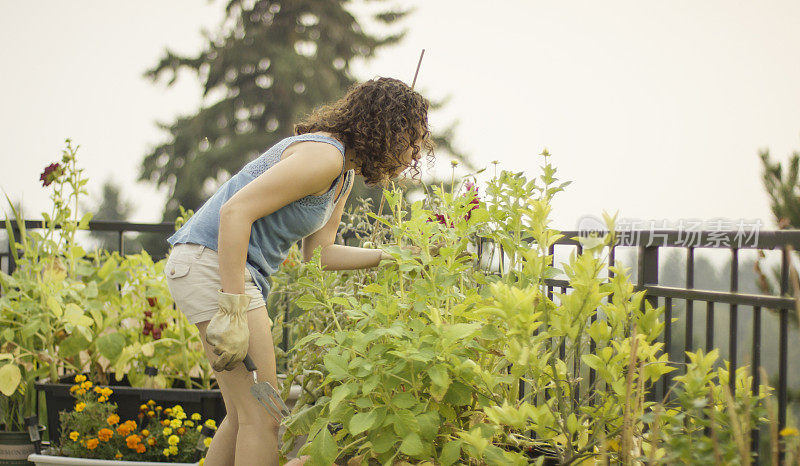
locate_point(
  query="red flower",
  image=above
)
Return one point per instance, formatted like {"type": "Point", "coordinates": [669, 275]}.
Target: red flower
{"type": "Point", "coordinates": [153, 302]}
{"type": "Point", "coordinates": [50, 173]}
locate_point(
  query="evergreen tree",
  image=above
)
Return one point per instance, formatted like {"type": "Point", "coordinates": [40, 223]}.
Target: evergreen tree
{"type": "Point", "coordinates": [270, 64]}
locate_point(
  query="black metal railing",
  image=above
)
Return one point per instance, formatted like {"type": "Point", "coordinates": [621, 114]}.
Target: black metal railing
{"type": "Point", "coordinates": [648, 244]}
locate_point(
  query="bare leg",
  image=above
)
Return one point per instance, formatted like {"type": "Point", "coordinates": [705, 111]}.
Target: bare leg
{"type": "Point", "coordinates": [257, 431]}
{"type": "Point", "coordinates": [222, 450]}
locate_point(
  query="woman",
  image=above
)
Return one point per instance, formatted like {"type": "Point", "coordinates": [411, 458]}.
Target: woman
{"type": "Point", "coordinates": [217, 272]}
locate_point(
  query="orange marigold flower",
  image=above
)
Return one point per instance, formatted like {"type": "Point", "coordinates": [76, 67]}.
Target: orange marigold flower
{"type": "Point", "coordinates": [92, 443]}
{"type": "Point", "coordinates": [150, 414]}
{"type": "Point", "coordinates": [145, 432]}
{"type": "Point", "coordinates": [113, 419]}
{"type": "Point", "coordinates": [181, 430]}
{"type": "Point", "coordinates": [132, 441]}
{"type": "Point", "coordinates": [118, 456]}
{"type": "Point", "coordinates": [143, 408]}
{"type": "Point", "coordinates": [151, 441]}
{"type": "Point", "coordinates": [131, 425]}
{"type": "Point", "coordinates": [140, 448]}
{"type": "Point", "coordinates": [164, 422]}
{"type": "Point", "coordinates": [123, 430]}
{"type": "Point", "coordinates": [105, 434]}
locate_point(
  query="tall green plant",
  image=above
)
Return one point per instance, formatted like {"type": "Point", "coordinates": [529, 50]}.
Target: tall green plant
{"type": "Point", "coordinates": [422, 360]}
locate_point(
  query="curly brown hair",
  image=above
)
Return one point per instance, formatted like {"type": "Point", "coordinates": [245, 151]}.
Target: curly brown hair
{"type": "Point", "coordinates": [378, 120]}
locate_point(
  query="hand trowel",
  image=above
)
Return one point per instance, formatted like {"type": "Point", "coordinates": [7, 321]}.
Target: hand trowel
{"type": "Point", "coordinates": [265, 393]}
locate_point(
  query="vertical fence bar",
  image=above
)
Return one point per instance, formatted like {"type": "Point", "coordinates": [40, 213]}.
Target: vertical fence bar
{"type": "Point", "coordinates": [734, 320]}
{"type": "Point", "coordinates": [783, 344]}
{"type": "Point", "coordinates": [756, 364]}
{"type": "Point", "coordinates": [648, 275]}
{"type": "Point", "coordinates": [666, 379]}
{"type": "Point", "coordinates": [709, 326]}
{"type": "Point", "coordinates": [688, 334]}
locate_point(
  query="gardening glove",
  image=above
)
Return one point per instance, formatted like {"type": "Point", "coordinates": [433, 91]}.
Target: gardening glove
{"type": "Point", "coordinates": [227, 333]}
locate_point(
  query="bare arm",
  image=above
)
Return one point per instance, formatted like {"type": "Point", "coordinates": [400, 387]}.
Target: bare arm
{"type": "Point", "coordinates": [337, 256]}
{"type": "Point", "coordinates": [306, 172]}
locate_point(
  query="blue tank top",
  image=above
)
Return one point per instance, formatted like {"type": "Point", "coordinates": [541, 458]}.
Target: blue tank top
{"type": "Point", "coordinates": [273, 235]}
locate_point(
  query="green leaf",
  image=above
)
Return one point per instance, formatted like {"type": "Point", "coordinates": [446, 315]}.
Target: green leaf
{"type": "Point", "coordinates": [339, 393]}
{"type": "Point", "coordinates": [412, 445]}
{"type": "Point", "coordinates": [307, 302]}
{"type": "Point", "coordinates": [451, 452]}
{"type": "Point", "coordinates": [323, 449]}
{"type": "Point", "coordinates": [73, 314]}
{"type": "Point", "coordinates": [362, 422]}
{"type": "Point", "coordinates": [372, 288]}
{"type": "Point", "coordinates": [336, 365]}
{"type": "Point", "coordinates": [110, 345]}
{"type": "Point", "coordinates": [428, 425]}
{"type": "Point", "coordinates": [72, 345]}
{"type": "Point", "coordinates": [10, 377]}
{"type": "Point", "coordinates": [404, 400]}
{"type": "Point", "coordinates": [458, 394]}
{"type": "Point", "coordinates": [54, 306]}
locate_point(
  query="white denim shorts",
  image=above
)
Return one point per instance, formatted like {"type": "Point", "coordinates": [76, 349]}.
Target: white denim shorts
{"type": "Point", "coordinates": [192, 272]}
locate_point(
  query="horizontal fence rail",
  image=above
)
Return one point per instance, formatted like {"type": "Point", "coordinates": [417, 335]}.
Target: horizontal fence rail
{"type": "Point", "coordinates": [647, 244]}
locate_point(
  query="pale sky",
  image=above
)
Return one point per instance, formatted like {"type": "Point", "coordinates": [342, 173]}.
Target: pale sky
{"type": "Point", "coordinates": [653, 108]}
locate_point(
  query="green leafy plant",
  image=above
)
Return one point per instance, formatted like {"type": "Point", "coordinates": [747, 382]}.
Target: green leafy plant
{"type": "Point", "coordinates": [440, 358]}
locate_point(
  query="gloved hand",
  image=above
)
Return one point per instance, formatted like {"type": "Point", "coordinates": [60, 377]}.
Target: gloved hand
{"type": "Point", "coordinates": [227, 332]}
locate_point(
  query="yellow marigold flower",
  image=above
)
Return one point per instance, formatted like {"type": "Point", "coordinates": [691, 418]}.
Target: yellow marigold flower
{"type": "Point", "coordinates": [168, 411]}
{"type": "Point", "coordinates": [143, 408]}
{"type": "Point", "coordinates": [150, 402]}
{"type": "Point", "coordinates": [175, 423]}
{"type": "Point", "coordinates": [789, 431]}
{"type": "Point", "coordinates": [102, 399]}
{"type": "Point", "coordinates": [80, 378]}
{"type": "Point", "coordinates": [173, 450]}
{"type": "Point", "coordinates": [177, 408]}
{"type": "Point", "coordinates": [167, 431]}
{"type": "Point", "coordinates": [196, 417]}
{"type": "Point", "coordinates": [87, 385]}
{"type": "Point", "coordinates": [173, 439]}
{"type": "Point", "coordinates": [113, 419]}
{"type": "Point", "coordinates": [145, 432]}
{"type": "Point", "coordinates": [199, 428]}
{"type": "Point", "coordinates": [105, 434]}
{"type": "Point", "coordinates": [80, 391]}
{"type": "Point", "coordinates": [180, 415]}
{"type": "Point", "coordinates": [188, 423]}
{"type": "Point", "coordinates": [151, 441]}
{"type": "Point", "coordinates": [107, 392]}
{"type": "Point", "coordinates": [92, 443]}
{"type": "Point", "coordinates": [158, 408]}
{"type": "Point", "coordinates": [211, 423]}
{"type": "Point", "coordinates": [74, 436]}
{"type": "Point", "coordinates": [73, 388]}
{"type": "Point", "coordinates": [151, 413]}
{"type": "Point", "coordinates": [79, 407]}
{"type": "Point", "coordinates": [98, 389]}
{"type": "Point", "coordinates": [118, 456]}
{"type": "Point", "coordinates": [165, 451]}
{"type": "Point", "coordinates": [207, 441]}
